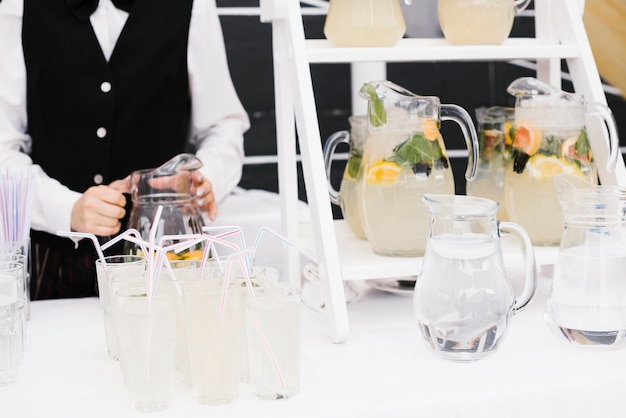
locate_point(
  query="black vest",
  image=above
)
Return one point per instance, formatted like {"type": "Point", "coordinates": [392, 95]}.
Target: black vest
{"type": "Point", "coordinates": [82, 129]}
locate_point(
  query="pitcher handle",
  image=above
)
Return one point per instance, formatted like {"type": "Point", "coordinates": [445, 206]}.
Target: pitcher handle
{"type": "Point", "coordinates": [521, 5]}
{"type": "Point", "coordinates": [604, 112]}
{"type": "Point", "coordinates": [530, 265]}
{"type": "Point", "coordinates": [465, 122]}
{"type": "Point", "coordinates": [340, 137]}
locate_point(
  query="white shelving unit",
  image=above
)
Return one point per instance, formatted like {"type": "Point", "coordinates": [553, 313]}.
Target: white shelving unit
{"type": "Point", "coordinates": [560, 35]}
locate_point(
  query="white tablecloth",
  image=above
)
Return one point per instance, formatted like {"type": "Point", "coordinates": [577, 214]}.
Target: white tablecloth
{"type": "Point", "coordinates": [383, 370]}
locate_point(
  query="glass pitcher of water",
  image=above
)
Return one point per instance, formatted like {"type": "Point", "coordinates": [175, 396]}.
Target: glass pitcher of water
{"type": "Point", "coordinates": [404, 158]}
{"type": "Point", "coordinates": [349, 195]}
{"type": "Point", "coordinates": [587, 302]}
{"type": "Point", "coordinates": [549, 138]}
{"type": "Point", "coordinates": [463, 300]}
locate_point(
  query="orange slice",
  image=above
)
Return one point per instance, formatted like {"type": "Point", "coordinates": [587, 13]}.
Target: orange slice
{"type": "Point", "coordinates": [383, 172]}
{"type": "Point", "coordinates": [431, 129]}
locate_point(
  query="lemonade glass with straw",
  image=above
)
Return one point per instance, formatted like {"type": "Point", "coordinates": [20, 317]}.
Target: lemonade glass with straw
{"type": "Point", "coordinates": [549, 139]}
{"type": "Point", "coordinates": [404, 157]}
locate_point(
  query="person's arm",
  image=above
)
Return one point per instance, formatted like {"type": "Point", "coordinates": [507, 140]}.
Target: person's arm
{"type": "Point", "coordinates": [218, 117]}
{"type": "Point", "coordinates": [52, 202]}
{"type": "Point", "coordinates": [54, 206]}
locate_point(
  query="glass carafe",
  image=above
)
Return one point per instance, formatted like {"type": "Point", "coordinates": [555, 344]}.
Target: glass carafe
{"type": "Point", "coordinates": [404, 158]}
{"type": "Point", "coordinates": [170, 189]}
{"type": "Point", "coordinates": [349, 195]}
{"type": "Point", "coordinates": [486, 22]}
{"type": "Point", "coordinates": [549, 138]}
{"type": "Point", "coordinates": [463, 300]}
{"type": "Point", "coordinates": [494, 142]}
{"type": "Point", "coordinates": [587, 303]}
{"type": "Point", "coordinates": [363, 23]}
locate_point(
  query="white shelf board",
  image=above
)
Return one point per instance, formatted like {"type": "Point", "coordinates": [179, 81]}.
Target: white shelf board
{"type": "Point", "coordinates": [359, 262]}
{"type": "Point", "coordinates": [438, 49]}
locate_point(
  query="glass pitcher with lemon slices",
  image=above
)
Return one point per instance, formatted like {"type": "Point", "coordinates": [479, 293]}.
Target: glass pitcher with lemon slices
{"type": "Point", "coordinates": [404, 158]}
{"type": "Point", "coordinates": [549, 138]}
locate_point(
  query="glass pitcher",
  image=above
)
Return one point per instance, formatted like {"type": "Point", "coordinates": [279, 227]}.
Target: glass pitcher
{"type": "Point", "coordinates": [349, 195]}
{"type": "Point", "coordinates": [549, 138]}
{"type": "Point", "coordinates": [363, 23]}
{"type": "Point", "coordinates": [404, 158]}
{"type": "Point", "coordinates": [476, 22]}
{"type": "Point", "coordinates": [494, 142]}
{"type": "Point", "coordinates": [587, 303]}
{"type": "Point", "coordinates": [463, 300]}
{"type": "Point", "coordinates": [170, 187]}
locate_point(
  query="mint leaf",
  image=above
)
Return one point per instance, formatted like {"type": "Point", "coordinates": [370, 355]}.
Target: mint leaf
{"type": "Point", "coordinates": [376, 109]}
{"type": "Point", "coordinates": [582, 146]}
{"type": "Point", "coordinates": [354, 164]}
{"type": "Point", "coordinates": [417, 149]}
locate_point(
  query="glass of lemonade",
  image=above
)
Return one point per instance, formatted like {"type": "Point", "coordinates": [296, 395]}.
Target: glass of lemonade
{"type": "Point", "coordinates": [549, 138]}
{"type": "Point", "coordinates": [475, 22]}
{"type": "Point", "coordinates": [494, 142]}
{"type": "Point", "coordinates": [146, 336]}
{"type": "Point", "coordinates": [272, 323]}
{"type": "Point", "coordinates": [404, 158]}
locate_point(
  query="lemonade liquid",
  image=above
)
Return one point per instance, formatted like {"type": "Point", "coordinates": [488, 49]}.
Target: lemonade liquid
{"type": "Point", "coordinates": [396, 221]}
{"type": "Point", "coordinates": [362, 23]}
{"type": "Point", "coordinates": [466, 22]}
{"type": "Point", "coordinates": [350, 195]}
{"type": "Point", "coordinates": [531, 196]}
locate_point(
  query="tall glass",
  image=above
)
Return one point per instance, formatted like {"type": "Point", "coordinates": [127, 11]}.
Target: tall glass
{"type": "Point", "coordinates": [116, 265]}
{"type": "Point", "coordinates": [212, 319]}
{"type": "Point", "coordinates": [146, 333]}
{"type": "Point", "coordinates": [273, 338]}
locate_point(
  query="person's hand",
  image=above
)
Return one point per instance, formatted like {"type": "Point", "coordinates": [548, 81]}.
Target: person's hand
{"type": "Point", "coordinates": [202, 190]}
{"type": "Point", "coordinates": [99, 210]}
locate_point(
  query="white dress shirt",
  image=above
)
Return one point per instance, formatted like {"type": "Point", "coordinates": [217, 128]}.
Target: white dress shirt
{"type": "Point", "coordinates": [217, 125]}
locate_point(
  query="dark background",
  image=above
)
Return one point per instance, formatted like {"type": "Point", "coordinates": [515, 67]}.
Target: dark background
{"type": "Point", "coordinates": [468, 84]}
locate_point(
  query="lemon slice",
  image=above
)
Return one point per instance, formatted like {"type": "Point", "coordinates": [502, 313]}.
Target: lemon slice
{"type": "Point", "coordinates": [383, 172]}
{"type": "Point", "coordinates": [544, 167]}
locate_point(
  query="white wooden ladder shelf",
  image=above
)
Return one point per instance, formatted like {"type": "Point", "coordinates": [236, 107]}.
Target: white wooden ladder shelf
{"type": "Point", "coordinates": [560, 35]}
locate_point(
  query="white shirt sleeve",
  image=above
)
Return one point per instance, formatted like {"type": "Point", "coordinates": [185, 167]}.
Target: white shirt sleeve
{"type": "Point", "coordinates": [52, 202]}
{"type": "Point", "coordinates": [218, 118]}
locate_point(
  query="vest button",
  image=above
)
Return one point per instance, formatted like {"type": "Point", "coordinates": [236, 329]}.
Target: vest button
{"type": "Point", "coordinates": [97, 179]}
{"type": "Point", "coordinates": [105, 87]}
{"type": "Point", "coordinates": [101, 132]}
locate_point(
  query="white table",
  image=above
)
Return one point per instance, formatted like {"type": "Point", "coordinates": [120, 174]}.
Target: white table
{"type": "Point", "coordinates": [383, 370]}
